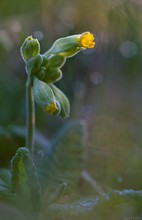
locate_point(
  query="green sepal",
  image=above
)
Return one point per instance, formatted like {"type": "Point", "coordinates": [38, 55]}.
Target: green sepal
{"type": "Point", "coordinates": [34, 64]}
{"type": "Point", "coordinates": [24, 178]}
{"type": "Point", "coordinates": [30, 48]}
{"type": "Point", "coordinates": [63, 100]}
{"type": "Point", "coordinates": [45, 97]}
{"type": "Point", "coordinates": [67, 46]}
{"type": "Point", "coordinates": [54, 60]}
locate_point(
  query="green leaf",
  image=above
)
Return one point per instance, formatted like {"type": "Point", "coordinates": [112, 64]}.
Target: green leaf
{"type": "Point", "coordinates": [54, 197]}
{"type": "Point", "coordinates": [63, 163]}
{"type": "Point", "coordinates": [112, 205]}
{"type": "Point", "coordinates": [5, 186]}
{"type": "Point", "coordinates": [24, 179]}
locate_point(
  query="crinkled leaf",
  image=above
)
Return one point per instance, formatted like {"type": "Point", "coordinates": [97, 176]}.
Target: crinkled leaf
{"type": "Point", "coordinates": [113, 205]}
{"type": "Point", "coordinates": [24, 179]}
{"type": "Point", "coordinates": [54, 197]}
{"type": "Point", "coordinates": [63, 162]}
{"type": "Point", "coordinates": [5, 178]}
{"type": "Point", "coordinates": [5, 186]}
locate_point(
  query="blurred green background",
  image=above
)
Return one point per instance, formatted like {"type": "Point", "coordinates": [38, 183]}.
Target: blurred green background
{"type": "Point", "coordinates": [103, 84]}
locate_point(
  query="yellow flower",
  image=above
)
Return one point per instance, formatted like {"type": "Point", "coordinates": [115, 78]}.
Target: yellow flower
{"type": "Point", "coordinates": [51, 109]}
{"type": "Point", "coordinates": [86, 40]}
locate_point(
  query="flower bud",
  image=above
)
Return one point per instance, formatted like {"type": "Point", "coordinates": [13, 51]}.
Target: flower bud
{"type": "Point", "coordinates": [69, 46]}
{"type": "Point", "coordinates": [44, 97]}
{"type": "Point", "coordinates": [34, 64]}
{"type": "Point", "coordinates": [54, 60]}
{"type": "Point", "coordinates": [63, 100]}
{"type": "Point", "coordinates": [50, 71]}
{"type": "Point", "coordinates": [30, 48]}
{"type": "Point", "coordinates": [50, 75]}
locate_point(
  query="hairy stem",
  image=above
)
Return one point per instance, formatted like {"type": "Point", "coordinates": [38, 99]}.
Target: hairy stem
{"type": "Point", "coordinates": [30, 116]}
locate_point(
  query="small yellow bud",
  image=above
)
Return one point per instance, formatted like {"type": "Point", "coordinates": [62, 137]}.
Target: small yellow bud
{"type": "Point", "coordinates": [86, 40]}
{"type": "Point", "coordinates": [51, 109]}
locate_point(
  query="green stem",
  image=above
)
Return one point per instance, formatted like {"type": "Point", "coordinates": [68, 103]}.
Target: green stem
{"type": "Point", "coordinates": [30, 116]}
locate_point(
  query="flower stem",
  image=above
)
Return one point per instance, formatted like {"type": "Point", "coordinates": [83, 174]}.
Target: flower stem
{"type": "Point", "coordinates": [30, 116]}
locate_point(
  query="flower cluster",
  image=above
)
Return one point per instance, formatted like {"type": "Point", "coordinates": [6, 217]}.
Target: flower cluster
{"type": "Point", "coordinates": [45, 69]}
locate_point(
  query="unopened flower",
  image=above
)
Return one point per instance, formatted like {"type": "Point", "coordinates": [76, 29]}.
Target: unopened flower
{"type": "Point", "coordinates": [44, 97]}
{"type": "Point", "coordinates": [30, 48]}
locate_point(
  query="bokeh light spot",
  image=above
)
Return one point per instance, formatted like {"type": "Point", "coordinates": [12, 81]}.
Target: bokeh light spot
{"type": "Point", "coordinates": [96, 78]}
{"type": "Point", "coordinates": [128, 49]}
{"type": "Point", "coordinates": [38, 35]}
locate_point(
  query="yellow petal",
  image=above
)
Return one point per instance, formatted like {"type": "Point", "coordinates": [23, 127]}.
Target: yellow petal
{"type": "Point", "coordinates": [51, 109]}
{"type": "Point", "coordinates": [86, 40]}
